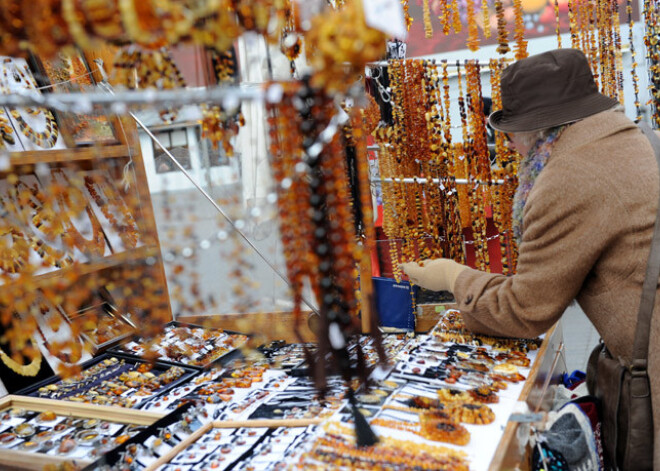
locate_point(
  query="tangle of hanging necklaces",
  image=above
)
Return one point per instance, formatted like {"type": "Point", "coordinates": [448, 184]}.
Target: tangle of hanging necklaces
{"type": "Point", "coordinates": [325, 135]}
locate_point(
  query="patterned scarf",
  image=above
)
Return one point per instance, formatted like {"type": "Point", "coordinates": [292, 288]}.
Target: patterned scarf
{"type": "Point", "coordinates": [529, 169]}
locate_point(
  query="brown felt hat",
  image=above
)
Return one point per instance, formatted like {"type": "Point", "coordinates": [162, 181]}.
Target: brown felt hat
{"type": "Point", "coordinates": [548, 90]}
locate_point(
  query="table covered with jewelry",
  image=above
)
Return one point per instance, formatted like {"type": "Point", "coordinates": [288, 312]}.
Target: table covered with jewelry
{"type": "Point", "coordinates": [444, 402]}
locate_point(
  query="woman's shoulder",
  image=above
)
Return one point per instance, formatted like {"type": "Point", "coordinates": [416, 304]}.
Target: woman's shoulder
{"type": "Point", "coordinates": [614, 163]}
{"type": "Point", "coordinates": [594, 130]}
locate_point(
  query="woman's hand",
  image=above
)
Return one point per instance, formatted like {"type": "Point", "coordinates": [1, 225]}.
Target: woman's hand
{"type": "Point", "coordinates": [437, 275]}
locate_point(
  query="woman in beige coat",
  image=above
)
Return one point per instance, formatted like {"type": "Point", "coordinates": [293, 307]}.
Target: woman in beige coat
{"type": "Point", "coordinates": [584, 215]}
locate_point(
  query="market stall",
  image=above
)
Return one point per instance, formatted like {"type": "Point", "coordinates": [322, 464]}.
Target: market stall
{"type": "Point", "coordinates": [205, 206]}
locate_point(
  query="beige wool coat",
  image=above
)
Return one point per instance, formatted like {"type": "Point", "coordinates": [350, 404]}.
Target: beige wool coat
{"type": "Point", "coordinates": [587, 229]}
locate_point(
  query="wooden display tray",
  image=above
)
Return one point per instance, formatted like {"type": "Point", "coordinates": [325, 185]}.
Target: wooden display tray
{"type": "Point", "coordinates": [117, 348]}
{"type": "Point", "coordinates": [269, 423]}
{"type": "Point", "coordinates": [25, 460]}
{"type": "Point", "coordinates": [158, 366]}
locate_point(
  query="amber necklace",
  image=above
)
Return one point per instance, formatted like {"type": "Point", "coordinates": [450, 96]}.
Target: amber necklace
{"type": "Point", "coordinates": [73, 202]}
{"type": "Point", "coordinates": [31, 369]}
{"type": "Point", "coordinates": [46, 138]}
{"type": "Point", "coordinates": [127, 228]}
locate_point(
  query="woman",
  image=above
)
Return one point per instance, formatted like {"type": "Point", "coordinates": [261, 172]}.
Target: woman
{"type": "Point", "coordinates": [583, 214]}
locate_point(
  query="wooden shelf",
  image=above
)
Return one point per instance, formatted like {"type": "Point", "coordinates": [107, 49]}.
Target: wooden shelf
{"type": "Point", "coordinates": [80, 269]}
{"type": "Point", "coordinates": [30, 157]}
{"type": "Point", "coordinates": [281, 325]}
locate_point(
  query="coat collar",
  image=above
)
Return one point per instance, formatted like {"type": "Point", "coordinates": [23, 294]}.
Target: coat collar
{"type": "Point", "coordinates": [592, 129]}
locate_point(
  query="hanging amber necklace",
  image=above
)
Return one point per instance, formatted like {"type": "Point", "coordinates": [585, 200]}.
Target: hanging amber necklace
{"type": "Point", "coordinates": [519, 34]}
{"type": "Point", "coordinates": [31, 369]}
{"type": "Point", "coordinates": [428, 26]}
{"type": "Point", "coordinates": [44, 218]}
{"type": "Point", "coordinates": [633, 59]}
{"type": "Point", "coordinates": [557, 24]}
{"type": "Point", "coordinates": [473, 28]}
{"type": "Point", "coordinates": [572, 22]}
{"type": "Point", "coordinates": [652, 19]}
{"type": "Point", "coordinates": [73, 202]}
{"type": "Point", "coordinates": [107, 197]}
{"type": "Point", "coordinates": [502, 33]}
{"type": "Point", "coordinates": [14, 255]}
{"type": "Point", "coordinates": [485, 13]}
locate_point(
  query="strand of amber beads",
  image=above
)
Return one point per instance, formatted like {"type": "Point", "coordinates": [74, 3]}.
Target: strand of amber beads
{"type": "Point", "coordinates": [485, 14]}
{"type": "Point", "coordinates": [428, 26]}
{"type": "Point", "coordinates": [633, 60]}
{"type": "Point", "coordinates": [473, 29]}
{"type": "Point", "coordinates": [520, 48]}
{"type": "Point", "coordinates": [652, 42]}
{"type": "Point", "coordinates": [502, 33]}
{"type": "Point", "coordinates": [557, 24]}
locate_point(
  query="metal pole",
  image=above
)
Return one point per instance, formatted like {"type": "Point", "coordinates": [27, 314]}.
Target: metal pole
{"type": "Point", "coordinates": [83, 102]}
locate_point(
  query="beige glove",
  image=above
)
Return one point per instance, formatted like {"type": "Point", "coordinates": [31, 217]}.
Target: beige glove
{"type": "Point", "coordinates": [437, 275]}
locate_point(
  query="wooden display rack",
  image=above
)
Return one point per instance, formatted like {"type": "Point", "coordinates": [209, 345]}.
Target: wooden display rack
{"type": "Point", "coordinates": [25, 460]}
{"type": "Point", "coordinates": [145, 260]}
{"type": "Point", "coordinates": [268, 423]}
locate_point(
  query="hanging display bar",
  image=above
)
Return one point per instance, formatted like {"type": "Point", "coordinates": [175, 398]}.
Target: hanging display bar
{"type": "Point", "coordinates": [117, 102]}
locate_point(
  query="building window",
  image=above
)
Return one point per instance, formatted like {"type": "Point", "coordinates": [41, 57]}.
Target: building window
{"type": "Point", "coordinates": [176, 141]}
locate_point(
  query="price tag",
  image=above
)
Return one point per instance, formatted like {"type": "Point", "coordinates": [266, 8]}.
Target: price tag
{"type": "Point", "coordinates": [386, 16]}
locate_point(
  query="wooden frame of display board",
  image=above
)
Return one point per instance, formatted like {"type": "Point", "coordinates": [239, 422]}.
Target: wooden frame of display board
{"type": "Point", "coordinates": [25, 460]}
{"type": "Point", "coordinates": [538, 394]}
{"type": "Point", "coordinates": [146, 258]}
{"type": "Point", "coordinates": [268, 423]}
{"type": "Point", "coordinates": [238, 322]}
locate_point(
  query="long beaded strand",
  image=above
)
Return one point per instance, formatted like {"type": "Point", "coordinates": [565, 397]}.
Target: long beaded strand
{"type": "Point", "coordinates": [633, 60]}
{"type": "Point", "coordinates": [503, 193]}
{"type": "Point", "coordinates": [454, 228]}
{"type": "Point", "coordinates": [485, 15]}
{"type": "Point", "coordinates": [519, 35]}
{"type": "Point", "coordinates": [461, 152]}
{"type": "Point", "coordinates": [428, 26]}
{"type": "Point", "coordinates": [572, 22]}
{"type": "Point", "coordinates": [473, 29]}
{"type": "Point", "coordinates": [618, 53]}
{"type": "Point", "coordinates": [652, 41]}
{"type": "Point", "coordinates": [557, 25]}
{"type": "Point", "coordinates": [479, 163]}
{"type": "Point", "coordinates": [502, 33]}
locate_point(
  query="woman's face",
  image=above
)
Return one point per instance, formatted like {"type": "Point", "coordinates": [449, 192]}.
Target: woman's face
{"type": "Point", "coordinates": [520, 142]}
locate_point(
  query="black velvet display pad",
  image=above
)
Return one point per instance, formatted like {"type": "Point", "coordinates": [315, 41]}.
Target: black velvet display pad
{"type": "Point", "coordinates": [15, 382]}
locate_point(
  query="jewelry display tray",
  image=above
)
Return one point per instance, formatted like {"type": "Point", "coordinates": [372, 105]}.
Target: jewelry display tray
{"type": "Point", "coordinates": [220, 361]}
{"type": "Point", "coordinates": [106, 308]}
{"type": "Point", "coordinates": [111, 458]}
{"type": "Point", "coordinates": [32, 461]}
{"type": "Point", "coordinates": [157, 368]}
